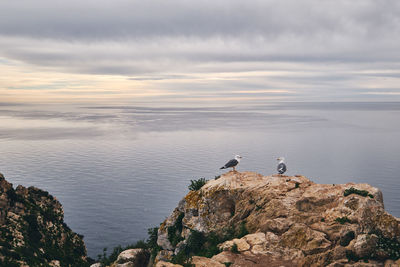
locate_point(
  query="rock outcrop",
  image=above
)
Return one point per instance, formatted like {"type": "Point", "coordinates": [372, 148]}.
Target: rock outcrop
{"type": "Point", "coordinates": [33, 232]}
{"type": "Point", "coordinates": [246, 219]}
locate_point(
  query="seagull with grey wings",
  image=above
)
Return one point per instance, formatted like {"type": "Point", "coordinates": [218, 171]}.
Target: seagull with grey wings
{"type": "Point", "coordinates": [232, 163]}
{"type": "Point", "coordinates": [281, 165]}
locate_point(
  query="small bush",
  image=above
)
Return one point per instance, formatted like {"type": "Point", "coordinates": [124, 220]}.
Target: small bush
{"type": "Point", "coordinates": [242, 230]}
{"type": "Point", "coordinates": [152, 241]}
{"type": "Point", "coordinates": [390, 245]}
{"type": "Point", "coordinates": [14, 197]}
{"type": "Point", "coordinates": [227, 264]}
{"type": "Point", "coordinates": [217, 177]}
{"type": "Point", "coordinates": [203, 245]}
{"type": "Point", "coordinates": [351, 256]}
{"type": "Point", "coordinates": [297, 185]}
{"type": "Point", "coordinates": [234, 249]}
{"type": "Point", "coordinates": [345, 240]}
{"type": "Point", "coordinates": [9, 263]}
{"type": "Point", "coordinates": [353, 190]}
{"type": "Point", "coordinates": [322, 219]}
{"type": "Point", "coordinates": [258, 207]}
{"type": "Point", "coordinates": [197, 184]}
{"type": "Point", "coordinates": [195, 242]}
{"type": "Point", "coordinates": [33, 229]}
{"type": "Point", "coordinates": [342, 220]}
{"type": "Point", "coordinates": [174, 231]}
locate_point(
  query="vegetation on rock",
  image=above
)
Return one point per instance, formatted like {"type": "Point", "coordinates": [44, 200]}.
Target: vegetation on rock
{"type": "Point", "coordinates": [33, 232]}
{"type": "Point", "coordinates": [174, 231]}
{"type": "Point", "coordinates": [345, 240]}
{"type": "Point", "coordinates": [343, 220]}
{"type": "Point", "coordinates": [197, 184]}
{"type": "Point", "coordinates": [353, 190]}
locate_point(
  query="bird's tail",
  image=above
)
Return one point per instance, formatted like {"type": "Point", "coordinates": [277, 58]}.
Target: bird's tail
{"type": "Point", "coordinates": [223, 167]}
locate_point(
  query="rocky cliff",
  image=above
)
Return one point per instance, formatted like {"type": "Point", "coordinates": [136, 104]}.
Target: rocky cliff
{"type": "Point", "coordinates": [246, 219]}
{"type": "Point", "coordinates": [33, 232]}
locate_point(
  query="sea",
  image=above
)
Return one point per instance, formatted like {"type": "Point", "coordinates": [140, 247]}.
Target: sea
{"type": "Point", "coordinates": [121, 169]}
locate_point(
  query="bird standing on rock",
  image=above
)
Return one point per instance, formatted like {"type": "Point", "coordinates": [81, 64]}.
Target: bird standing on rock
{"type": "Point", "coordinates": [232, 163]}
{"type": "Point", "coordinates": [281, 165]}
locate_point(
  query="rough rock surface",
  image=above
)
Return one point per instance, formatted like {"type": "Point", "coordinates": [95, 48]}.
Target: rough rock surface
{"type": "Point", "coordinates": [291, 221]}
{"type": "Point", "coordinates": [33, 232]}
{"type": "Point", "coordinates": [135, 257]}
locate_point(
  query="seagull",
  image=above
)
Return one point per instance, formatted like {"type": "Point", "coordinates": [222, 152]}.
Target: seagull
{"type": "Point", "coordinates": [232, 163]}
{"type": "Point", "coordinates": [281, 165]}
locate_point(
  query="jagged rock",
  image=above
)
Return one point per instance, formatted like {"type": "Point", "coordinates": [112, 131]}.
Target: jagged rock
{"type": "Point", "coordinates": [291, 221]}
{"type": "Point", "coordinates": [241, 244]}
{"type": "Point", "coordinates": [365, 244]}
{"type": "Point", "coordinates": [33, 232]}
{"type": "Point", "coordinates": [164, 255]}
{"type": "Point", "coordinates": [55, 263]}
{"type": "Point", "coordinates": [167, 264]}
{"type": "Point", "coordinates": [206, 262]}
{"type": "Point", "coordinates": [128, 255]}
{"type": "Point", "coordinates": [391, 263]}
{"type": "Point", "coordinates": [255, 239]}
{"type": "Point", "coordinates": [136, 257]}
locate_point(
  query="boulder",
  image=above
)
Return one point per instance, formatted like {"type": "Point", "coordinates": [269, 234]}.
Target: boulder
{"type": "Point", "coordinates": [285, 220]}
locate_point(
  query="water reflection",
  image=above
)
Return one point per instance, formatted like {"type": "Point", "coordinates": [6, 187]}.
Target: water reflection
{"type": "Point", "coordinates": [119, 170]}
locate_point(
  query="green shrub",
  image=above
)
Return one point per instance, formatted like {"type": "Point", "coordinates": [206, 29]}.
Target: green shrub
{"type": "Point", "coordinates": [203, 245]}
{"type": "Point", "coordinates": [152, 241]}
{"type": "Point", "coordinates": [345, 240]}
{"type": "Point", "coordinates": [342, 220]}
{"type": "Point", "coordinates": [33, 229]}
{"type": "Point", "coordinates": [174, 231]}
{"type": "Point", "coordinates": [197, 184]}
{"type": "Point", "coordinates": [258, 207]}
{"type": "Point", "coordinates": [227, 264]}
{"type": "Point", "coordinates": [242, 230]}
{"type": "Point", "coordinates": [14, 197]}
{"type": "Point", "coordinates": [9, 263]}
{"type": "Point", "coordinates": [183, 259]}
{"type": "Point", "coordinates": [195, 242]}
{"type": "Point", "coordinates": [234, 249]}
{"type": "Point", "coordinates": [351, 256]}
{"type": "Point", "coordinates": [390, 245]}
{"type": "Point", "coordinates": [353, 190]}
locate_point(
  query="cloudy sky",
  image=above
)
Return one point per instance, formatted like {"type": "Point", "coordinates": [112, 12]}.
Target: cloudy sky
{"type": "Point", "coordinates": [199, 51]}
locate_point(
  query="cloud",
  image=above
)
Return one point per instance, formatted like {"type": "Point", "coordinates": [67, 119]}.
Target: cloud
{"type": "Point", "coordinates": [177, 46]}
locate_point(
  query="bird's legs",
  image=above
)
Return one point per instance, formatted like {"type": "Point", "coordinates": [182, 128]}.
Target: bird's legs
{"type": "Point", "coordinates": [234, 169]}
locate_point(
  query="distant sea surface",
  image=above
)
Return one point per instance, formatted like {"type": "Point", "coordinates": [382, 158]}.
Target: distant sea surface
{"type": "Point", "coordinates": [118, 170]}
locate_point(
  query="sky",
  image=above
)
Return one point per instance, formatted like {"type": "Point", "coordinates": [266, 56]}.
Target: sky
{"type": "Point", "coordinates": [191, 52]}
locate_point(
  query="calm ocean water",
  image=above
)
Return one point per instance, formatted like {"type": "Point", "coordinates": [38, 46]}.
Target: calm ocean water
{"type": "Point", "coordinates": [119, 170]}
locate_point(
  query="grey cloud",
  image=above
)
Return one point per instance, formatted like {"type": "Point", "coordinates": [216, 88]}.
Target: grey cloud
{"type": "Point", "coordinates": [101, 19]}
{"type": "Point", "coordinates": [166, 40]}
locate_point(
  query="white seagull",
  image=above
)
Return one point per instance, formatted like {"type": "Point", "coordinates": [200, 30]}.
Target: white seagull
{"type": "Point", "coordinates": [281, 165]}
{"type": "Point", "coordinates": [232, 163]}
